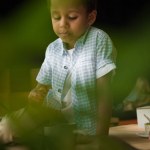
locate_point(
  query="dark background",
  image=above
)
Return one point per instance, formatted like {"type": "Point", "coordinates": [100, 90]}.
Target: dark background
{"type": "Point", "coordinates": [25, 32]}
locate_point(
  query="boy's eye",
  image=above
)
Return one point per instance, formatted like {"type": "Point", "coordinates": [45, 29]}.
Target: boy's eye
{"type": "Point", "coordinates": [72, 17]}
{"type": "Point", "coordinates": [56, 17]}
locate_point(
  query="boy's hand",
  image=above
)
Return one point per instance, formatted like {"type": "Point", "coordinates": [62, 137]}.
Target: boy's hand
{"type": "Point", "coordinates": [6, 133]}
{"type": "Point", "coordinates": [39, 93]}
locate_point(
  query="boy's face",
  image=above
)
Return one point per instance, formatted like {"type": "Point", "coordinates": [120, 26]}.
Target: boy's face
{"type": "Point", "coordinates": [70, 20]}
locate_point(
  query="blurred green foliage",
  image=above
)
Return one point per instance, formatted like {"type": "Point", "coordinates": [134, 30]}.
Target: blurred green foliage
{"type": "Point", "coordinates": [25, 35]}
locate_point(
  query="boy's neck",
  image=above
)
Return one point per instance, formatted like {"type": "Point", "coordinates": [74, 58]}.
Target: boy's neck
{"type": "Point", "coordinates": [68, 46]}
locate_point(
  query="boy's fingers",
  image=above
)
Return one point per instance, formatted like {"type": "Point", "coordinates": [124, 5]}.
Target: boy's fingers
{"type": "Point", "coordinates": [36, 97]}
{"type": "Point", "coordinates": [6, 135]}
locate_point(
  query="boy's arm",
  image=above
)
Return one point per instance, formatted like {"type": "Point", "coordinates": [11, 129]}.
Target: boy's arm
{"type": "Point", "coordinates": [104, 103]}
{"type": "Point", "coordinates": [39, 93]}
{"type": "Point", "coordinates": [25, 121]}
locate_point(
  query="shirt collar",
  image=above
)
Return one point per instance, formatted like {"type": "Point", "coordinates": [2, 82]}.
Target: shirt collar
{"type": "Point", "coordinates": [80, 41]}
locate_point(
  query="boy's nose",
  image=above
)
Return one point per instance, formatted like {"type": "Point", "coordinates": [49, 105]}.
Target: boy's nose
{"type": "Point", "coordinates": [63, 23]}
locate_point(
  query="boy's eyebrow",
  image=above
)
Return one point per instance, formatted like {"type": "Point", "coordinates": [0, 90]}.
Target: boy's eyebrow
{"type": "Point", "coordinates": [74, 10]}
{"type": "Point", "coordinates": [69, 11]}
{"type": "Point", "coordinates": [54, 11]}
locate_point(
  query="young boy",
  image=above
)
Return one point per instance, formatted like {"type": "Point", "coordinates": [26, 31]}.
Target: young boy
{"type": "Point", "coordinates": [81, 61]}
{"type": "Point", "coordinates": [75, 77]}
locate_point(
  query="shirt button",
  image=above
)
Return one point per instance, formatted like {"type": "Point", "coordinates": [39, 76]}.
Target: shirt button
{"type": "Point", "coordinates": [59, 90]}
{"type": "Point", "coordinates": [65, 67]}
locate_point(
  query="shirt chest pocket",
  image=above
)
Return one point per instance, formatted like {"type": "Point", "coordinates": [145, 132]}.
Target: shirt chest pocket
{"type": "Point", "coordinates": [86, 64]}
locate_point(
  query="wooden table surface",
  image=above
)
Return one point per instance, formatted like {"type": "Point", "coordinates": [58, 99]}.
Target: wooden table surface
{"type": "Point", "coordinates": [128, 133]}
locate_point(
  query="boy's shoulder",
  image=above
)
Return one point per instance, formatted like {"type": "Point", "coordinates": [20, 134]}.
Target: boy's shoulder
{"type": "Point", "coordinates": [96, 29]}
{"type": "Point", "coordinates": [98, 32]}
{"type": "Point", "coordinates": [97, 36]}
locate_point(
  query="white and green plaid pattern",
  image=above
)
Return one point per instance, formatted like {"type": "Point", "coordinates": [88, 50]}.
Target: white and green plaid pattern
{"type": "Point", "coordinates": [93, 53]}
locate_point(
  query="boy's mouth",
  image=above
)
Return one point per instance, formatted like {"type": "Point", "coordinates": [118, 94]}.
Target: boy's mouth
{"type": "Point", "coordinates": [63, 34]}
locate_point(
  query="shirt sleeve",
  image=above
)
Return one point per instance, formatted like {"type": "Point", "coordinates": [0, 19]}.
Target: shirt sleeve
{"type": "Point", "coordinates": [45, 74]}
{"type": "Point", "coordinates": [106, 56]}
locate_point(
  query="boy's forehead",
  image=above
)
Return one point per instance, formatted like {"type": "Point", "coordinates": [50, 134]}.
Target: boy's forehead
{"type": "Point", "coordinates": [65, 3]}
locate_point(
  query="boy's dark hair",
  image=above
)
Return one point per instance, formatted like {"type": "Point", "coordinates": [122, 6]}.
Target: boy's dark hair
{"type": "Point", "coordinates": [90, 4]}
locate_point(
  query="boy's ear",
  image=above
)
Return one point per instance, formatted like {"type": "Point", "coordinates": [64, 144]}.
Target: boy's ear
{"type": "Point", "coordinates": [92, 17]}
